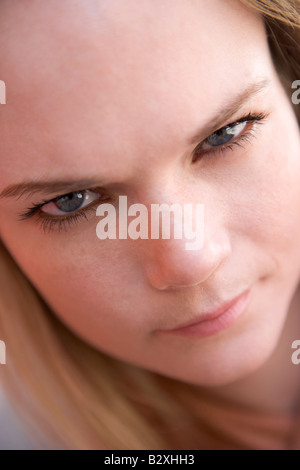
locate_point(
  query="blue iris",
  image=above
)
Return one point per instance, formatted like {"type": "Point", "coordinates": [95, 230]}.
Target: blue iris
{"type": "Point", "coordinates": [70, 202]}
{"type": "Point", "coordinates": [222, 136]}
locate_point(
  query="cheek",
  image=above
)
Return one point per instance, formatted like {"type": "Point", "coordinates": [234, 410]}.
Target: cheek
{"type": "Point", "coordinates": [267, 204]}
{"type": "Point", "coordinates": [88, 287]}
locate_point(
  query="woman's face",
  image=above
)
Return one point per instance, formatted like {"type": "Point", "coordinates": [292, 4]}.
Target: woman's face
{"type": "Point", "coordinates": [114, 97]}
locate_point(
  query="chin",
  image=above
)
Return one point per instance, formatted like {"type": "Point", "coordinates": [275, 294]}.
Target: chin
{"type": "Point", "coordinates": [225, 368]}
{"type": "Point", "coordinates": [226, 373]}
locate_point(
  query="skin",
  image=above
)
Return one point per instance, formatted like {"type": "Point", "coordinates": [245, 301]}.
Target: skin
{"type": "Point", "coordinates": [113, 91]}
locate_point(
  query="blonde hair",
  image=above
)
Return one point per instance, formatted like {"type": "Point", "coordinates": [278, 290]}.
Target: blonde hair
{"type": "Point", "coordinates": [82, 398]}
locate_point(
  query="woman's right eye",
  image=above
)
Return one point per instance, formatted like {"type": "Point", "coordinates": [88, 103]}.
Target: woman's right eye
{"type": "Point", "coordinates": [70, 203]}
{"type": "Point", "coordinates": [66, 209]}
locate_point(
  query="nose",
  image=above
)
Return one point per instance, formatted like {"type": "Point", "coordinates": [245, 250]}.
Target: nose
{"type": "Point", "coordinates": [167, 263]}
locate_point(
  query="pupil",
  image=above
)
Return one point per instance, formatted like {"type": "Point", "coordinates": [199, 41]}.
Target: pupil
{"type": "Point", "coordinates": [71, 202]}
{"type": "Point", "coordinates": [220, 137]}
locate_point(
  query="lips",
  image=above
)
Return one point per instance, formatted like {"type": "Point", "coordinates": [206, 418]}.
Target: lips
{"type": "Point", "coordinates": [212, 322]}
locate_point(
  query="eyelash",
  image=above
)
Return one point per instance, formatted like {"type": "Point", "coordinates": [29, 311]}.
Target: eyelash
{"type": "Point", "coordinates": [49, 223]}
{"type": "Point", "coordinates": [244, 137]}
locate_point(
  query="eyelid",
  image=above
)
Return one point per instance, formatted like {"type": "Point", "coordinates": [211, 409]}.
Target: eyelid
{"type": "Point", "coordinates": [36, 208]}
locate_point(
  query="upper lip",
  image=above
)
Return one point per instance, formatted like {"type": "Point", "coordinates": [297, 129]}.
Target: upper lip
{"type": "Point", "coordinates": [209, 315]}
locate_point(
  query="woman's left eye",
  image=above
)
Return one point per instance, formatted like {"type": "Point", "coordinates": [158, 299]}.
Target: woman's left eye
{"type": "Point", "coordinates": [224, 135]}
{"type": "Point", "coordinates": [230, 135]}
{"type": "Point", "coordinates": [69, 203]}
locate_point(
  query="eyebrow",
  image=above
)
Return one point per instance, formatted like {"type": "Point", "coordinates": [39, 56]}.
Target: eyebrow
{"type": "Point", "coordinates": [67, 186]}
{"type": "Point", "coordinates": [48, 187]}
{"type": "Point", "coordinates": [229, 110]}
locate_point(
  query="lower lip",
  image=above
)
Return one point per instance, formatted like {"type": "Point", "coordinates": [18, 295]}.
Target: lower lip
{"type": "Point", "coordinates": [211, 327]}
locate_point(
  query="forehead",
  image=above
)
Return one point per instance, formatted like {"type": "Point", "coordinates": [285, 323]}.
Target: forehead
{"type": "Point", "coordinates": [100, 78]}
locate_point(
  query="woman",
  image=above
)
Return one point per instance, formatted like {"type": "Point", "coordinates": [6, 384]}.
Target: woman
{"type": "Point", "coordinates": [130, 343]}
